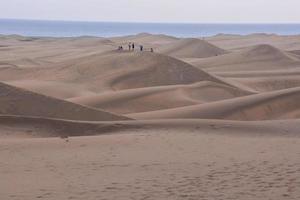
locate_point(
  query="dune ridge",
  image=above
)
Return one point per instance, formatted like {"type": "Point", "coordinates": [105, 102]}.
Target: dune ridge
{"type": "Point", "coordinates": [115, 71]}
{"type": "Point", "coordinates": [157, 98]}
{"type": "Point", "coordinates": [255, 58]}
{"type": "Point", "coordinates": [280, 104]}
{"type": "Point", "coordinates": [237, 42]}
{"type": "Point", "coordinates": [191, 48]}
{"type": "Point", "coordinates": [15, 101]}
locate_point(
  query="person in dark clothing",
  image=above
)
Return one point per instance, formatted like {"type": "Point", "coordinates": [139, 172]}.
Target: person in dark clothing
{"type": "Point", "coordinates": [132, 46]}
{"type": "Point", "coordinates": [141, 47]}
{"type": "Point", "coordinates": [152, 50]}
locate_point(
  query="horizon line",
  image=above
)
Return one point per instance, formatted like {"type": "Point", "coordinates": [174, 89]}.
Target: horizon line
{"type": "Point", "coordinates": [148, 22]}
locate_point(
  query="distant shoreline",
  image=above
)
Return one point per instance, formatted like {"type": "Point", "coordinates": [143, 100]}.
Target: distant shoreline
{"type": "Point", "coordinates": [47, 28]}
{"type": "Point", "coordinates": [137, 22]}
{"type": "Point", "coordinates": [99, 37]}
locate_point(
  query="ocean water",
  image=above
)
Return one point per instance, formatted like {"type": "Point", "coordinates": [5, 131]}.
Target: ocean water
{"type": "Point", "coordinates": [109, 29]}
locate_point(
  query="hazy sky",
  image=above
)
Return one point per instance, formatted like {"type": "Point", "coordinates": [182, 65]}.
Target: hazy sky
{"type": "Point", "coordinates": [256, 11]}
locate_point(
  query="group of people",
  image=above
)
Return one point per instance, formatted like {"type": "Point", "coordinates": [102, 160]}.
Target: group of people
{"type": "Point", "coordinates": [131, 47]}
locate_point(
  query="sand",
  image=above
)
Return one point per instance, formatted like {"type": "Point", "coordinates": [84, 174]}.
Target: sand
{"type": "Point", "coordinates": [191, 48]}
{"type": "Point", "coordinates": [210, 118]}
{"type": "Point", "coordinates": [235, 42]}
{"type": "Point", "coordinates": [19, 102]}
{"type": "Point", "coordinates": [181, 166]}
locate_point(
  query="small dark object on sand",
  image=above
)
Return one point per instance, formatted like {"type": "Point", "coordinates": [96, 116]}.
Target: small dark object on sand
{"type": "Point", "coordinates": [65, 137]}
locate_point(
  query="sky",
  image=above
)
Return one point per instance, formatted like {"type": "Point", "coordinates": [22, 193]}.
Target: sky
{"type": "Point", "coordinates": [182, 11]}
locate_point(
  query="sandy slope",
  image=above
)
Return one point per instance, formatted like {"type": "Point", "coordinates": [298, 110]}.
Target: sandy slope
{"type": "Point", "coordinates": [269, 83]}
{"type": "Point", "coordinates": [148, 40]}
{"type": "Point", "coordinates": [15, 101]}
{"type": "Point", "coordinates": [255, 58]}
{"type": "Point", "coordinates": [261, 67]}
{"type": "Point", "coordinates": [157, 98]}
{"type": "Point", "coordinates": [191, 48]}
{"type": "Point", "coordinates": [237, 41]}
{"type": "Point", "coordinates": [53, 88]}
{"type": "Point", "coordinates": [282, 104]}
{"type": "Point", "coordinates": [114, 70]}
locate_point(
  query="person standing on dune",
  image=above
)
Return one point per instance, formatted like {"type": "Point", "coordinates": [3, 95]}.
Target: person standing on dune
{"type": "Point", "coordinates": [132, 46]}
{"type": "Point", "coordinates": [129, 46]}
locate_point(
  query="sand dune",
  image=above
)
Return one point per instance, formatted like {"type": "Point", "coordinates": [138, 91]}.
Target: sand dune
{"type": "Point", "coordinates": [15, 101]}
{"type": "Point", "coordinates": [260, 73]}
{"type": "Point", "coordinates": [146, 39]}
{"type": "Point", "coordinates": [43, 52]}
{"type": "Point", "coordinates": [54, 89]}
{"type": "Point", "coordinates": [259, 68]}
{"type": "Point", "coordinates": [268, 52]}
{"type": "Point", "coordinates": [157, 70]}
{"type": "Point", "coordinates": [156, 98]}
{"type": "Point", "coordinates": [233, 42]}
{"type": "Point", "coordinates": [137, 70]}
{"type": "Point", "coordinates": [282, 104]}
{"type": "Point", "coordinates": [269, 83]}
{"type": "Point", "coordinates": [257, 58]}
{"type": "Point", "coordinates": [115, 71]}
{"type": "Point", "coordinates": [176, 47]}
{"type": "Point", "coordinates": [191, 48]}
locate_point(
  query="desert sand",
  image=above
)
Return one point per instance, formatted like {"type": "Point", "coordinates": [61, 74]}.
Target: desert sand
{"type": "Point", "coordinates": [200, 118]}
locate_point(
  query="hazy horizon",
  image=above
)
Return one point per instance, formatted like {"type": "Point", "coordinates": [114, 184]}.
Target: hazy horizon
{"type": "Point", "coordinates": [150, 22]}
{"type": "Point", "coordinates": [163, 11]}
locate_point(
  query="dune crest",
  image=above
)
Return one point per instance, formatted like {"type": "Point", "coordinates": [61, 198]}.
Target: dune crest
{"type": "Point", "coordinates": [156, 98]}
{"type": "Point", "coordinates": [15, 101]}
{"type": "Point", "coordinates": [276, 105]}
{"type": "Point", "coordinates": [191, 48]}
{"type": "Point", "coordinates": [265, 51]}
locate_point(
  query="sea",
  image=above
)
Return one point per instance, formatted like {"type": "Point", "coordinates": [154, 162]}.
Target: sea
{"type": "Point", "coordinates": [43, 28]}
